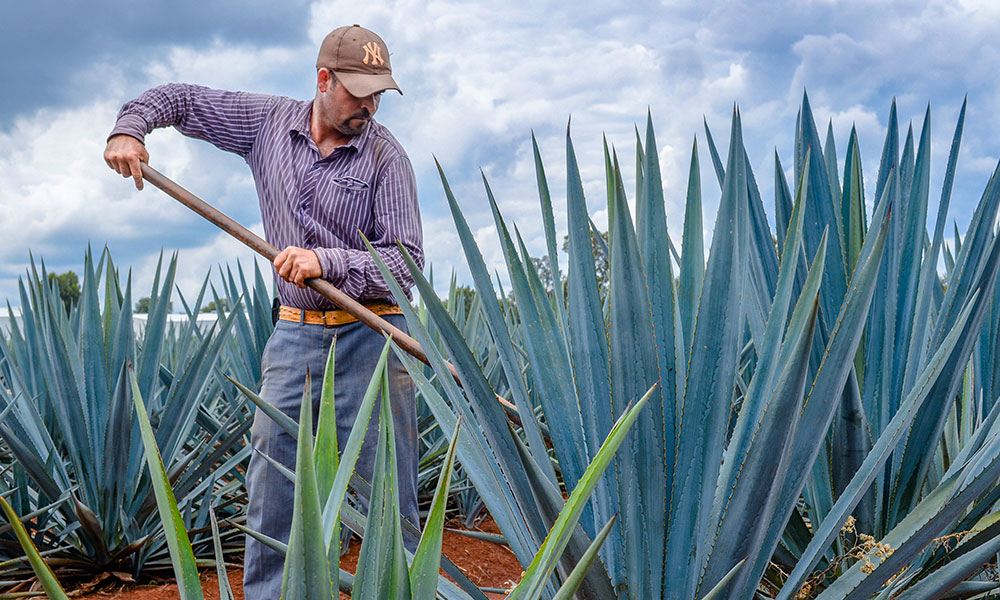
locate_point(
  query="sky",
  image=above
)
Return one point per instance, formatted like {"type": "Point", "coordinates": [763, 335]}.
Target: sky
{"type": "Point", "coordinates": [478, 79]}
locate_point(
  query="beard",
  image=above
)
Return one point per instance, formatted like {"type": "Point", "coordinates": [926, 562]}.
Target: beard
{"type": "Point", "coordinates": [347, 126]}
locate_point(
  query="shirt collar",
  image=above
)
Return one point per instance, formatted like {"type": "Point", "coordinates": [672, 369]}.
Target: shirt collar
{"type": "Point", "coordinates": [301, 123]}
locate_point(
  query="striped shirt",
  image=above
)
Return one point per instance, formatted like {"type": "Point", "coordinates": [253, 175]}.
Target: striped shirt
{"type": "Point", "coordinates": [366, 185]}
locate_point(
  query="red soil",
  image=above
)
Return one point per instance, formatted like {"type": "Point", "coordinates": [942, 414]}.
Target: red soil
{"type": "Point", "coordinates": [485, 563]}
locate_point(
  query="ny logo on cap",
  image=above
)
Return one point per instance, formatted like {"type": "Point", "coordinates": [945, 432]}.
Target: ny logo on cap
{"type": "Point", "coordinates": [374, 51]}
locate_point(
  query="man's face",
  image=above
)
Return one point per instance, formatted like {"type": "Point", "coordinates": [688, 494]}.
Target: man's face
{"type": "Point", "coordinates": [346, 113]}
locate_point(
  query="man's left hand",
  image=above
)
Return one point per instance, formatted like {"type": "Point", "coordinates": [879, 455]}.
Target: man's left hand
{"type": "Point", "coordinates": [297, 264]}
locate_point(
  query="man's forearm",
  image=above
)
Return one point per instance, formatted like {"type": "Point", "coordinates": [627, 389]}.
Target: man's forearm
{"type": "Point", "coordinates": [357, 275]}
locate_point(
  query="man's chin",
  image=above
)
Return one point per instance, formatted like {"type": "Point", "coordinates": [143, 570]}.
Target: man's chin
{"type": "Point", "coordinates": [349, 127]}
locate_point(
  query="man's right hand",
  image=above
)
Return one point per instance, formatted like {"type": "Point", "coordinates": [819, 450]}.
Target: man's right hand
{"type": "Point", "coordinates": [123, 154]}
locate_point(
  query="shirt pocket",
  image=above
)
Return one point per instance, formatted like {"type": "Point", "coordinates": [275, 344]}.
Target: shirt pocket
{"type": "Point", "coordinates": [349, 183]}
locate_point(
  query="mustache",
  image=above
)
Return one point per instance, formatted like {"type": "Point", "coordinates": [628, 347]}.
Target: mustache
{"type": "Point", "coordinates": [362, 114]}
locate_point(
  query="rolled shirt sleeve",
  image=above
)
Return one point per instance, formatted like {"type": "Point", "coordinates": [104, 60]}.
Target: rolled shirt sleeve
{"type": "Point", "coordinates": [228, 120]}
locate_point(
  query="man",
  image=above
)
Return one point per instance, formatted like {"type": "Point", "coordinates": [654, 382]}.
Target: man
{"type": "Point", "coordinates": [324, 169]}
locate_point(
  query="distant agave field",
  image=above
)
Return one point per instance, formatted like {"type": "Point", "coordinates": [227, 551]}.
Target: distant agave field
{"type": "Point", "coordinates": [808, 411]}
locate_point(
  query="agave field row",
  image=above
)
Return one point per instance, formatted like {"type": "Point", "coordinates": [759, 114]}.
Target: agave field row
{"type": "Point", "coordinates": [807, 410]}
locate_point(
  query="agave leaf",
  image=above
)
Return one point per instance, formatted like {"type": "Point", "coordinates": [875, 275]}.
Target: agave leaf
{"type": "Point", "coordinates": [475, 458]}
{"type": "Point", "coordinates": [782, 201]}
{"type": "Point", "coordinates": [225, 590]}
{"type": "Point", "coordinates": [492, 418]}
{"type": "Point", "coordinates": [576, 577]}
{"type": "Point", "coordinates": [181, 554]}
{"type": "Point", "coordinates": [609, 176]}
{"type": "Point", "coordinates": [633, 368]}
{"type": "Point", "coordinates": [154, 335]}
{"type": "Point", "coordinates": [907, 168]}
{"type": "Point", "coordinates": [640, 177]}
{"type": "Point", "coordinates": [762, 276]}
{"type": "Point", "coordinates": [890, 153]}
{"type": "Point", "coordinates": [589, 347]}
{"type": "Point", "coordinates": [548, 555]}
{"type": "Point", "coordinates": [381, 571]}
{"type": "Point", "coordinates": [306, 573]}
{"type": "Point", "coordinates": [285, 471]}
{"type": "Point", "coordinates": [911, 247]}
{"type": "Point", "coordinates": [830, 157]}
{"type": "Point", "coordinates": [670, 353]}
{"type": "Point", "coordinates": [349, 458]}
{"type": "Point", "coordinates": [427, 558]}
{"type": "Point", "coordinates": [851, 442]}
{"type": "Point", "coordinates": [42, 571]}
{"type": "Point", "coordinates": [326, 457]}
{"type": "Point", "coordinates": [117, 441]}
{"type": "Point", "coordinates": [879, 403]}
{"type": "Point", "coordinates": [325, 452]}
{"type": "Point", "coordinates": [548, 223]}
{"type": "Point", "coordinates": [90, 527]}
{"type": "Point", "coordinates": [286, 423]}
{"type": "Point", "coordinates": [692, 269]}
{"type": "Point", "coordinates": [928, 273]}
{"type": "Point", "coordinates": [720, 171]}
{"type": "Point", "coordinates": [823, 211]}
{"type": "Point", "coordinates": [853, 202]}
{"type": "Point", "coordinates": [709, 384]}
{"type": "Point", "coordinates": [273, 544]}
{"type": "Point", "coordinates": [95, 372]}
{"type": "Point", "coordinates": [716, 591]}
{"type": "Point", "coordinates": [67, 387]}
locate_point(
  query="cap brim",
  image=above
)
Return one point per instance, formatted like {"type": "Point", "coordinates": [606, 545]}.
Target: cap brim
{"type": "Point", "coordinates": [361, 85]}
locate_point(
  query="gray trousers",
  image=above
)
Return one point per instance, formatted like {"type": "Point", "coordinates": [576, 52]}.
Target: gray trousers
{"type": "Point", "coordinates": [292, 348]}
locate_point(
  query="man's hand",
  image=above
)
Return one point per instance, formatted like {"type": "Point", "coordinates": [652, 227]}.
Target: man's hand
{"type": "Point", "coordinates": [297, 264]}
{"type": "Point", "coordinates": [123, 154]}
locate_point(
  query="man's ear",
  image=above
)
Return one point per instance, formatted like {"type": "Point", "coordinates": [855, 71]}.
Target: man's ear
{"type": "Point", "coordinates": [323, 79]}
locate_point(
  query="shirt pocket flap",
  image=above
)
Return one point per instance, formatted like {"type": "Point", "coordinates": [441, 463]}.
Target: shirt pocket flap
{"type": "Point", "coordinates": [351, 183]}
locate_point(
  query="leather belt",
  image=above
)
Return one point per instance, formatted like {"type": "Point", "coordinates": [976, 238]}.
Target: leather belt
{"type": "Point", "coordinates": [332, 318]}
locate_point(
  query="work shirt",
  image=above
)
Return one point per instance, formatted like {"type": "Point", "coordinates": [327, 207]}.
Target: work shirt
{"type": "Point", "coordinates": [366, 185]}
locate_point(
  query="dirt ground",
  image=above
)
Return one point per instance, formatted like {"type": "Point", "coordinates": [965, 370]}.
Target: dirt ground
{"type": "Point", "coordinates": [485, 563]}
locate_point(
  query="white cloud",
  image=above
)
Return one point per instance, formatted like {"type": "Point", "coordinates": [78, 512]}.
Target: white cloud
{"type": "Point", "coordinates": [57, 185]}
{"type": "Point", "coordinates": [231, 67]}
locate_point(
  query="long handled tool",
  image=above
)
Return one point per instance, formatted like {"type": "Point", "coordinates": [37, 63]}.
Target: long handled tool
{"type": "Point", "coordinates": [322, 286]}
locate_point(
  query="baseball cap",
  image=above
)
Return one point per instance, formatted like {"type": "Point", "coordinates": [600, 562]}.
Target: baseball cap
{"type": "Point", "coordinates": [360, 60]}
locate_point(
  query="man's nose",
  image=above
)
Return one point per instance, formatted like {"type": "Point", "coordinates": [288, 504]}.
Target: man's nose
{"type": "Point", "coordinates": [369, 103]}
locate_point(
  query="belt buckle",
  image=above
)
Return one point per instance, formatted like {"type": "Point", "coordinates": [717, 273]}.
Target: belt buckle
{"type": "Point", "coordinates": [329, 318]}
